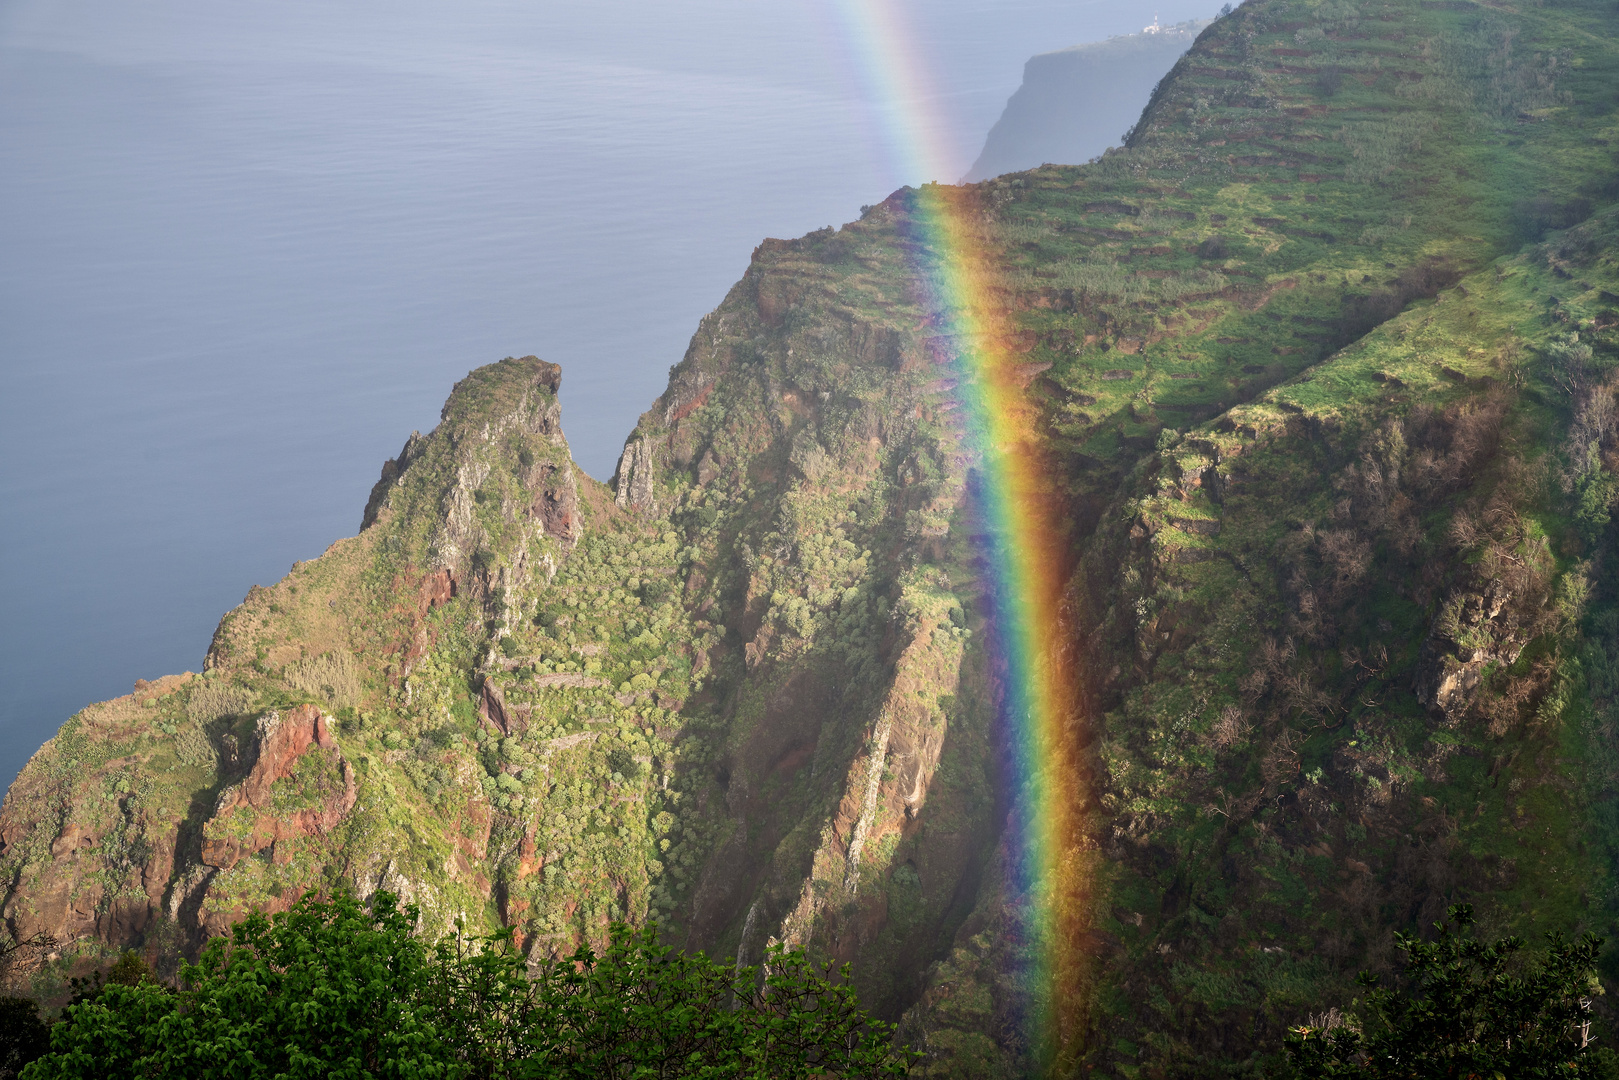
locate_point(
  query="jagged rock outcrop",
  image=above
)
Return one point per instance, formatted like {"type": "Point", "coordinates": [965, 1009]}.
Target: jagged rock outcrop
{"type": "Point", "coordinates": [89, 868]}
{"type": "Point", "coordinates": [390, 475]}
{"type": "Point", "coordinates": [316, 789]}
{"type": "Point", "coordinates": [633, 479]}
{"type": "Point", "coordinates": [1481, 625]}
{"type": "Point", "coordinates": [160, 818]}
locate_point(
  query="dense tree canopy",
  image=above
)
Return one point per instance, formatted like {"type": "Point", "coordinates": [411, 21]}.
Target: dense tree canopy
{"type": "Point", "coordinates": [340, 989]}
{"type": "Point", "coordinates": [1467, 1010]}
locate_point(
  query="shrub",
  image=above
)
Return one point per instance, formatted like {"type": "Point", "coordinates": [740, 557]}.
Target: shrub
{"type": "Point", "coordinates": [215, 701]}
{"type": "Point", "coordinates": [326, 989]}
{"type": "Point", "coordinates": [622, 761]}
{"type": "Point", "coordinates": [337, 989]}
{"type": "Point", "coordinates": [1466, 1011]}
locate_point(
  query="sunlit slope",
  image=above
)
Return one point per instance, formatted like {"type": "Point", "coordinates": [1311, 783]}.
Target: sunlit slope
{"type": "Point", "coordinates": [1323, 446]}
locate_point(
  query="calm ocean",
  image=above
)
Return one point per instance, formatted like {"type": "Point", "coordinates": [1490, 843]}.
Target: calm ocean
{"type": "Point", "coordinates": [246, 248]}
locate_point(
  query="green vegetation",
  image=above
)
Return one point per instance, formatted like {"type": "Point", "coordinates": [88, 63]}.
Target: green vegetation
{"type": "Point", "coordinates": [1468, 1010]}
{"type": "Point", "coordinates": [336, 989]}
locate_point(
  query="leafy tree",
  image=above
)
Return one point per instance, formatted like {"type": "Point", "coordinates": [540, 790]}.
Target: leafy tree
{"type": "Point", "coordinates": [1468, 1011]}
{"type": "Point", "coordinates": [332, 989]}
{"type": "Point", "coordinates": [325, 989]}
{"type": "Point", "coordinates": [644, 1010]}
{"type": "Point", "coordinates": [129, 970]}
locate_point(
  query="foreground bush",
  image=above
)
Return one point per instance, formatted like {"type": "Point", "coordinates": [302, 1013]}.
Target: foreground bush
{"type": "Point", "coordinates": [1467, 1011]}
{"type": "Point", "coordinates": [336, 989]}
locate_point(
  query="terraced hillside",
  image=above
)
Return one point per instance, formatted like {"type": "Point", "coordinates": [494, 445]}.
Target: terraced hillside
{"type": "Point", "coordinates": [1321, 368]}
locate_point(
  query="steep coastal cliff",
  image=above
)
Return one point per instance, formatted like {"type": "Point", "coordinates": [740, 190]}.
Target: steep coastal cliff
{"type": "Point", "coordinates": [1074, 103]}
{"type": "Point", "coordinates": [1321, 366]}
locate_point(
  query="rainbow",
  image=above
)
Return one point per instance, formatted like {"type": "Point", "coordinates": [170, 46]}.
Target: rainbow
{"type": "Point", "coordinates": [1024, 550]}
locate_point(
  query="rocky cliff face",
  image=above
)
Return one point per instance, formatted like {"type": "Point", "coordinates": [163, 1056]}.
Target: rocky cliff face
{"type": "Point", "coordinates": [1321, 370]}
{"type": "Point", "coordinates": [1074, 103]}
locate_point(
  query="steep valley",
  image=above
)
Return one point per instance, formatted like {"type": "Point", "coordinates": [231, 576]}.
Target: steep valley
{"type": "Point", "coordinates": [1320, 369]}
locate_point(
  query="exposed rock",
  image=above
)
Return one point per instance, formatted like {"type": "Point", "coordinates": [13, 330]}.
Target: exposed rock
{"type": "Point", "coordinates": [391, 471]}
{"type": "Point", "coordinates": [632, 480]}
{"type": "Point", "coordinates": [72, 899]}
{"type": "Point", "coordinates": [708, 468]}
{"type": "Point", "coordinates": [556, 500]}
{"type": "Point", "coordinates": [249, 817]}
{"type": "Point", "coordinates": [810, 743]}
{"type": "Point", "coordinates": [1449, 671]}
{"type": "Point", "coordinates": [492, 707]}
{"type": "Point", "coordinates": [436, 588]}
{"type": "Point", "coordinates": [1446, 682]}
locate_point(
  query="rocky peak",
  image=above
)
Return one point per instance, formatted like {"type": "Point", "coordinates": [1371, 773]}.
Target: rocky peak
{"type": "Point", "coordinates": [494, 477]}
{"type": "Point", "coordinates": [634, 476]}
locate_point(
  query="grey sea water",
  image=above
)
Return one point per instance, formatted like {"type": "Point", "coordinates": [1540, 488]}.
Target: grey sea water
{"type": "Point", "coordinates": [247, 247]}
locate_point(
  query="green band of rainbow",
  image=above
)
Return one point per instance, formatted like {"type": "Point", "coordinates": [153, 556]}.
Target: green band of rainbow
{"type": "Point", "coordinates": [1023, 549]}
